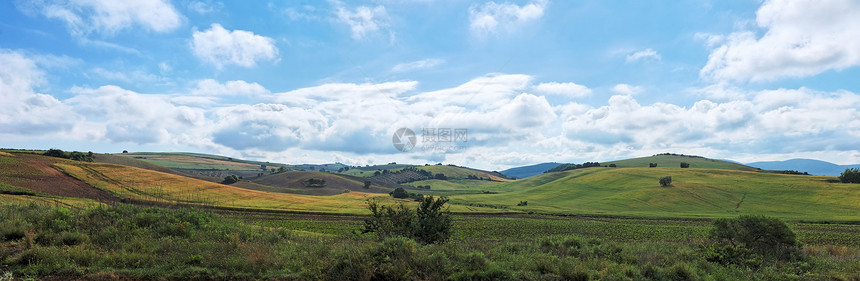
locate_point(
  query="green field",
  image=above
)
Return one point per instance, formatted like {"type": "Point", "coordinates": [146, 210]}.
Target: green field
{"type": "Point", "coordinates": [694, 193]}
{"type": "Point", "coordinates": [674, 161]}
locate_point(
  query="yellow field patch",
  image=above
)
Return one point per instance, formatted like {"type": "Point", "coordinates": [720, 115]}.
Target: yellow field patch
{"type": "Point", "coordinates": [6, 154]}
{"type": "Point", "coordinates": [140, 184]}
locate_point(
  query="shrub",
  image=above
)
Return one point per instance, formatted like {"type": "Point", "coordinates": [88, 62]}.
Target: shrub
{"type": "Point", "coordinates": [665, 181]}
{"type": "Point", "coordinates": [523, 203]}
{"type": "Point", "coordinates": [612, 165]}
{"type": "Point", "coordinates": [399, 193]}
{"type": "Point", "coordinates": [851, 175]}
{"type": "Point", "coordinates": [685, 165]}
{"type": "Point", "coordinates": [765, 236]}
{"type": "Point", "coordinates": [231, 179]}
{"type": "Point", "coordinates": [314, 182]}
{"type": "Point", "coordinates": [430, 223]}
{"type": "Point", "coordinates": [53, 152]}
{"type": "Point", "coordinates": [367, 184]}
{"type": "Point", "coordinates": [652, 165]}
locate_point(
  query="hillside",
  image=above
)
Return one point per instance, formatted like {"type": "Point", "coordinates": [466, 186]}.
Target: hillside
{"type": "Point", "coordinates": [693, 193]}
{"type": "Point", "coordinates": [675, 160]}
{"type": "Point", "coordinates": [294, 182]}
{"type": "Point", "coordinates": [528, 171]}
{"type": "Point", "coordinates": [815, 167]}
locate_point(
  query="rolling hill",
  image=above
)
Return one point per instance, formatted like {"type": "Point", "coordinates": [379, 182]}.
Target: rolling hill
{"type": "Point", "coordinates": [528, 171]}
{"type": "Point", "coordinates": [694, 193]}
{"type": "Point", "coordinates": [815, 167]}
{"type": "Point", "coordinates": [674, 161]}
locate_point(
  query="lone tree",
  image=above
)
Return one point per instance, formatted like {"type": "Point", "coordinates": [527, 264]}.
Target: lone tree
{"type": "Point", "coordinates": [429, 223]}
{"type": "Point", "coordinates": [665, 181]}
{"type": "Point", "coordinates": [850, 175]}
{"type": "Point", "coordinates": [367, 184]}
{"type": "Point", "coordinates": [652, 165]}
{"type": "Point", "coordinates": [685, 165]}
{"type": "Point", "coordinates": [765, 236]}
{"type": "Point", "coordinates": [231, 179]}
{"type": "Point", "coordinates": [399, 193]}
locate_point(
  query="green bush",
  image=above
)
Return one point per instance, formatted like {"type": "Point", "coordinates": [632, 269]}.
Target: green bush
{"type": "Point", "coordinates": [665, 181]}
{"type": "Point", "coordinates": [10, 232]}
{"type": "Point", "coordinates": [764, 236]}
{"type": "Point", "coordinates": [399, 193]}
{"type": "Point", "coordinates": [231, 179]}
{"type": "Point", "coordinates": [851, 175]}
{"type": "Point", "coordinates": [428, 224]}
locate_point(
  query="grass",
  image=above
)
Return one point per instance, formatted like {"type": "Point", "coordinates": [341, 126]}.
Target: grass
{"type": "Point", "coordinates": [674, 161]}
{"type": "Point", "coordinates": [694, 193]}
{"type": "Point", "coordinates": [125, 242]}
{"type": "Point", "coordinates": [192, 161]}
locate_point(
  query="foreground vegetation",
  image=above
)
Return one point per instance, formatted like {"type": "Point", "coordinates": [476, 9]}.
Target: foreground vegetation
{"type": "Point", "coordinates": [122, 241]}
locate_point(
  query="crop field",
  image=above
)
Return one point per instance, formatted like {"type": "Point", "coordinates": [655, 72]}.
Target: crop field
{"type": "Point", "coordinates": [693, 193]}
{"type": "Point", "coordinates": [190, 161]}
{"type": "Point", "coordinates": [139, 184]}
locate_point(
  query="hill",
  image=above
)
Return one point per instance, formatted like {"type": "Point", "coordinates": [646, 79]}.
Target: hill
{"type": "Point", "coordinates": [694, 193]}
{"type": "Point", "coordinates": [674, 161]}
{"type": "Point", "coordinates": [528, 171]}
{"type": "Point", "coordinates": [297, 182]}
{"type": "Point", "coordinates": [812, 166]}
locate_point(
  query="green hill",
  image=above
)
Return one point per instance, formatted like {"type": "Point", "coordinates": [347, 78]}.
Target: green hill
{"type": "Point", "coordinates": [675, 160]}
{"type": "Point", "coordinates": [694, 193]}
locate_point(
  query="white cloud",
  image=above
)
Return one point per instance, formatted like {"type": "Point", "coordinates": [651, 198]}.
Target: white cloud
{"type": "Point", "coordinates": [416, 65]}
{"type": "Point", "coordinates": [83, 17]}
{"type": "Point", "coordinates": [203, 8]}
{"type": "Point", "coordinates": [363, 21]}
{"type": "Point", "coordinates": [222, 47]}
{"type": "Point", "coordinates": [210, 87]}
{"type": "Point", "coordinates": [647, 54]}
{"type": "Point", "coordinates": [569, 89]}
{"type": "Point", "coordinates": [23, 110]}
{"type": "Point", "coordinates": [801, 38]}
{"type": "Point", "coordinates": [626, 89]}
{"type": "Point", "coordinates": [492, 17]}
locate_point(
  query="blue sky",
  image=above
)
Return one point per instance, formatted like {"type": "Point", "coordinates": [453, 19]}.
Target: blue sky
{"type": "Point", "coordinates": [530, 81]}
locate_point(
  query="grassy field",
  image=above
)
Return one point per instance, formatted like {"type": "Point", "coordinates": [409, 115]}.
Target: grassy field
{"type": "Point", "coordinates": [693, 193]}
{"type": "Point", "coordinates": [125, 242]}
{"type": "Point", "coordinates": [674, 161]}
{"type": "Point", "coordinates": [192, 161]}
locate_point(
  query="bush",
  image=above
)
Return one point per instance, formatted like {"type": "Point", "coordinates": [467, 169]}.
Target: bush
{"type": "Point", "coordinates": [399, 193]}
{"type": "Point", "coordinates": [314, 182]}
{"type": "Point", "coordinates": [665, 181]}
{"type": "Point", "coordinates": [231, 179]}
{"type": "Point", "coordinates": [53, 152]}
{"type": "Point", "coordinates": [430, 223]}
{"type": "Point", "coordinates": [685, 165]}
{"type": "Point", "coordinates": [765, 236]}
{"type": "Point", "coordinates": [652, 165]}
{"type": "Point", "coordinates": [367, 184]}
{"type": "Point", "coordinates": [851, 175]}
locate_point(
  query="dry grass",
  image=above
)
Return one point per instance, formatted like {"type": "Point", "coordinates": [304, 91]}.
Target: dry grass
{"type": "Point", "coordinates": [832, 251]}
{"type": "Point", "coordinates": [2, 153]}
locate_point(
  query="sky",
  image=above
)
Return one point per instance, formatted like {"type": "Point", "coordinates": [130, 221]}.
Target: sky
{"type": "Point", "coordinates": [485, 84]}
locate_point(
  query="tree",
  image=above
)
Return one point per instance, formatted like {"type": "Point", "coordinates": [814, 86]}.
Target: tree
{"type": "Point", "coordinates": [53, 152]}
{"type": "Point", "coordinates": [766, 236]}
{"type": "Point", "coordinates": [429, 223]}
{"type": "Point", "coordinates": [125, 151]}
{"type": "Point", "coordinates": [367, 184]}
{"type": "Point", "coordinates": [282, 169]}
{"type": "Point", "coordinates": [612, 165]}
{"type": "Point", "coordinates": [850, 175]}
{"type": "Point", "coordinates": [652, 165]}
{"type": "Point", "coordinates": [665, 181]}
{"type": "Point", "coordinates": [685, 165]}
{"type": "Point", "coordinates": [399, 193]}
{"type": "Point", "coordinates": [231, 179]}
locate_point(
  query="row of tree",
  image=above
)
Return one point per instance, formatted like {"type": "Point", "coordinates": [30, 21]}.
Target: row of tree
{"type": "Point", "coordinates": [74, 155]}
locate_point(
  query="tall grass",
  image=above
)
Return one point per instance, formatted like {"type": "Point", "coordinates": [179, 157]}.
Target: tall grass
{"type": "Point", "coordinates": [181, 244]}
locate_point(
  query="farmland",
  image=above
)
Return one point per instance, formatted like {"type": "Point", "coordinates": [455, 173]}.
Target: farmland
{"type": "Point", "coordinates": [594, 223]}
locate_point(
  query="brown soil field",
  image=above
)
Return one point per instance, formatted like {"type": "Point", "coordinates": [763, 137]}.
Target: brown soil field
{"type": "Point", "coordinates": [36, 172]}
{"type": "Point", "coordinates": [292, 182]}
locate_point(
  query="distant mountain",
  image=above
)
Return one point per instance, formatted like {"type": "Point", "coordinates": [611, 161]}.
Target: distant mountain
{"type": "Point", "coordinates": [812, 166]}
{"type": "Point", "coordinates": [528, 171]}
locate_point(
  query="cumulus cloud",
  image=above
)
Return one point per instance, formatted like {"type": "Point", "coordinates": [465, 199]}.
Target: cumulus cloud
{"type": "Point", "coordinates": [363, 21]}
{"type": "Point", "coordinates": [643, 55]}
{"type": "Point", "coordinates": [801, 38]}
{"type": "Point", "coordinates": [491, 17]}
{"type": "Point", "coordinates": [23, 110]}
{"type": "Point", "coordinates": [107, 17]}
{"type": "Point", "coordinates": [626, 89]}
{"type": "Point", "coordinates": [569, 89]}
{"type": "Point", "coordinates": [126, 116]}
{"type": "Point", "coordinates": [222, 47]}
{"type": "Point", "coordinates": [416, 65]}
